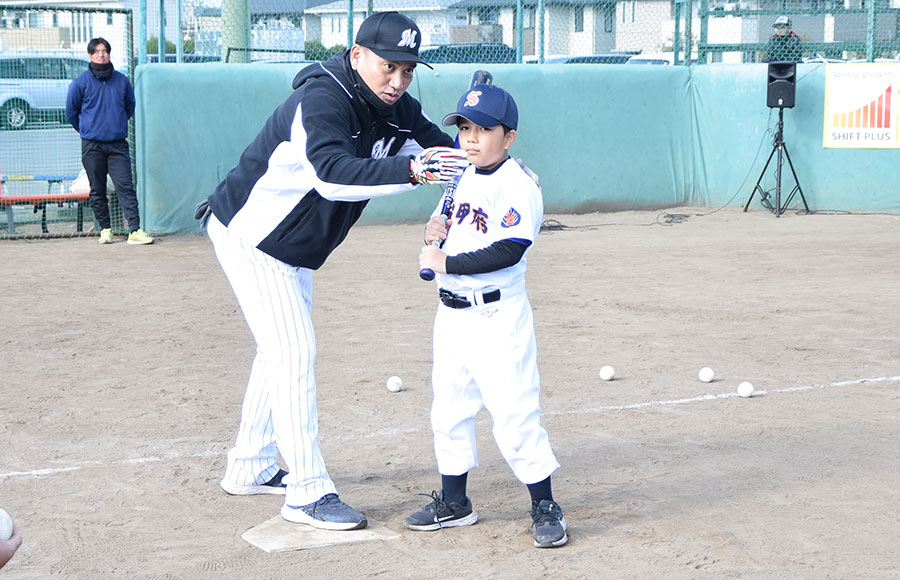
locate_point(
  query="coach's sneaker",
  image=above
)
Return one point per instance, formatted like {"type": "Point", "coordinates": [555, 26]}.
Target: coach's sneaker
{"type": "Point", "coordinates": [139, 237]}
{"type": "Point", "coordinates": [329, 513]}
{"type": "Point", "coordinates": [273, 486]}
{"type": "Point", "coordinates": [548, 524]}
{"type": "Point", "coordinates": [106, 236]}
{"type": "Point", "coordinates": [441, 514]}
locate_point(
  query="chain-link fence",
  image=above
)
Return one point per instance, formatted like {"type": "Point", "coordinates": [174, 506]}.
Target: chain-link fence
{"type": "Point", "coordinates": [550, 31]}
{"type": "Point", "coordinates": [43, 48]}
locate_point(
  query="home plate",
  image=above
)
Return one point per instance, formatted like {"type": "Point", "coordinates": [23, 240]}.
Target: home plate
{"type": "Point", "coordinates": [279, 535]}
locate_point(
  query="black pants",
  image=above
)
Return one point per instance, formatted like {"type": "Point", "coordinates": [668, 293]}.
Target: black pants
{"type": "Point", "coordinates": [100, 159]}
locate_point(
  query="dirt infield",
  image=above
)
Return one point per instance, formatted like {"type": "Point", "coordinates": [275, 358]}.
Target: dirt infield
{"type": "Point", "coordinates": [123, 370]}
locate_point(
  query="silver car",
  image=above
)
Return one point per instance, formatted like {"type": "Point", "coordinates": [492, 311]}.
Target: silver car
{"type": "Point", "coordinates": [33, 87]}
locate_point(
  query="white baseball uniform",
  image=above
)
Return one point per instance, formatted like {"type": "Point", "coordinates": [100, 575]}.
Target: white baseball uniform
{"type": "Point", "coordinates": [486, 355]}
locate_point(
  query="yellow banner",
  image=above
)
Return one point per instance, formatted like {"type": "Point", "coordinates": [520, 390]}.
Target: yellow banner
{"type": "Point", "coordinates": [862, 109]}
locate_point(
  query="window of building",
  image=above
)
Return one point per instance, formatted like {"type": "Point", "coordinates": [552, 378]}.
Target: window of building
{"type": "Point", "coordinates": [109, 19]}
{"type": "Point", "coordinates": [609, 17]}
{"type": "Point", "coordinates": [633, 9]}
{"type": "Point", "coordinates": [488, 15]}
{"type": "Point", "coordinates": [528, 18]}
{"type": "Point", "coordinates": [579, 19]}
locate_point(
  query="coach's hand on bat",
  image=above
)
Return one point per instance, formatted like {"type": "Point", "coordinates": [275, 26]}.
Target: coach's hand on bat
{"type": "Point", "coordinates": [433, 258]}
{"type": "Point", "coordinates": [438, 165]}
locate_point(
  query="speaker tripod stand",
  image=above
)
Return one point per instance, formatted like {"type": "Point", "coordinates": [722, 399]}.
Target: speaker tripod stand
{"type": "Point", "coordinates": [779, 147]}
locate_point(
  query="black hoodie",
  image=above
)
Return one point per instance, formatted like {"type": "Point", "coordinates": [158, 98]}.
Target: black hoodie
{"type": "Point", "coordinates": [307, 176]}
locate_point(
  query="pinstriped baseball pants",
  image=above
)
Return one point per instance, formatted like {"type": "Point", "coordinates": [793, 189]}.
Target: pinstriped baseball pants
{"type": "Point", "coordinates": [279, 413]}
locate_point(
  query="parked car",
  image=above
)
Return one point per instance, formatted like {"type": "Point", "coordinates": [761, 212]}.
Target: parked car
{"type": "Point", "coordinates": [612, 58]}
{"type": "Point", "coordinates": [34, 87]}
{"type": "Point", "coordinates": [663, 58]}
{"type": "Point", "coordinates": [469, 53]}
{"type": "Point", "coordinates": [185, 58]}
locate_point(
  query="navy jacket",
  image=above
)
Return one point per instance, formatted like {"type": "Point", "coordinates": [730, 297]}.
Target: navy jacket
{"type": "Point", "coordinates": [99, 110]}
{"type": "Point", "coordinates": [309, 173]}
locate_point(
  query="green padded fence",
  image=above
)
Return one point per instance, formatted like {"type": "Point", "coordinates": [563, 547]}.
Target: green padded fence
{"type": "Point", "coordinates": [602, 137]}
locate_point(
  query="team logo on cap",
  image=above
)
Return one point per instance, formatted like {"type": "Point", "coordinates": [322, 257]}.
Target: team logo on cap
{"type": "Point", "coordinates": [408, 38]}
{"type": "Point", "coordinates": [512, 218]}
{"type": "Point", "coordinates": [472, 99]}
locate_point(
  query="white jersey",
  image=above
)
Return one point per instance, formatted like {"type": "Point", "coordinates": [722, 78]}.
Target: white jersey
{"type": "Point", "coordinates": [485, 355]}
{"type": "Point", "coordinates": [504, 204]}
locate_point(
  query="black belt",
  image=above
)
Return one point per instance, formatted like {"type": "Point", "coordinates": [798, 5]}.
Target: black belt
{"type": "Point", "coordinates": [452, 300]}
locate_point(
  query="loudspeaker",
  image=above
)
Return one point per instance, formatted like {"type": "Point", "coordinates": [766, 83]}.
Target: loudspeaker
{"type": "Point", "coordinates": [782, 84]}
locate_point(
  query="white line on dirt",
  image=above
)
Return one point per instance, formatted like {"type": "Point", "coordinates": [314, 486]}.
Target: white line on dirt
{"type": "Point", "coordinates": [37, 473]}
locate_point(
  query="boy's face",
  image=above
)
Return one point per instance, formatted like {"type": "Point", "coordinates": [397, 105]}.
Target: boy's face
{"type": "Point", "coordinates": [782, 30]}
{"type": "Point", "coordinates": [485, 147]}
{"type": "Point", "coordinates": [386, 78]}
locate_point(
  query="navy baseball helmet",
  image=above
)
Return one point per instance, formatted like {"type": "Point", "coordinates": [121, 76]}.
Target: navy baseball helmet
{"type": "Point", "coordinates": [486, 105]}
{"type": "Point", "coordinates": [392, 36]}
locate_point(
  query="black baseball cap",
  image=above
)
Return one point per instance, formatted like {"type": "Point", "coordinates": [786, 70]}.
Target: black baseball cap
{"type": "Point", "coordinates": [392, 36]}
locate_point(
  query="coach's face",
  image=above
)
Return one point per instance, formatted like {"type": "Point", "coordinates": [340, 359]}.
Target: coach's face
{"type": "Point", "coordinates": [386, 78]}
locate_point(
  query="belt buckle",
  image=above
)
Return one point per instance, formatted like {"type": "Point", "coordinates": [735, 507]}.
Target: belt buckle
{"type": "Point", "coordinates": [452, 300]}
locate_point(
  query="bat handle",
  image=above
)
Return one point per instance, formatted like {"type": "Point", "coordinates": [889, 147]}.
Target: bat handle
{"type": "Point", "coordinates": [427, 274]}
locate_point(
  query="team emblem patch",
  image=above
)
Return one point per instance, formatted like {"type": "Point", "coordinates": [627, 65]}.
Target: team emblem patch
{"type": "Point", "coordinates": [408, 38]}
{"type": "Point", "coordinates": [472, 99]}
{"type": "Point", "coordinates": [512, 218]}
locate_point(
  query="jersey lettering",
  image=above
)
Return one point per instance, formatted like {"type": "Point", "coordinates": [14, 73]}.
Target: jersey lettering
{"type": "Point", "coordinates": [380, 150]}
{"type": "Point", "coordinates": [462, 211]}
{"type": "Point", "coordinates": [479, 219]}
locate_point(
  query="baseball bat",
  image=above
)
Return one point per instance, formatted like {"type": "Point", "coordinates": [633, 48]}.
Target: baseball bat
{"type": "Point", "coordinates": [479, 77]}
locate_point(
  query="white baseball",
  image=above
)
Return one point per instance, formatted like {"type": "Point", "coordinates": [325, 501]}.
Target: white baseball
{"type": "Point", "coordinates": [607, 373]}
{"type": "Point", "coordinates": [394, 384]}
{"type": "Point", "coordinates": [6, 525]}
{"type": "Point", "coordinates": [745, 390]}
{"type": "Point", "coordinates": [706, 374]}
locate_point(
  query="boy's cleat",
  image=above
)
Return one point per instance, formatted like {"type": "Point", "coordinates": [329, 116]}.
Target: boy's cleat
{"type": "Point", "coordinates": [548, 524]}
{"type": "Point", "coordinates": [441, 514]}
{"type": "Point", "coordinates": [273, 486]}
{"type": "Point", "coordinates": [329, 513]}
{"type": "Point", "coordinates": [106, 236]}
{"type": "Point", "coordinates": [139, 237]}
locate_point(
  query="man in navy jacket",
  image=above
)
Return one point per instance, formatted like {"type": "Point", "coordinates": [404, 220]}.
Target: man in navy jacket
{"type": "Point", "coordinates": [99, 104]}
{"type": "Point", "coordinates": [348, 133]}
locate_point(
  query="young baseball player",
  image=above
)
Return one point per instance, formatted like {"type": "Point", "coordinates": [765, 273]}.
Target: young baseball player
{"type": "Point", "coordinates": [484, 344]}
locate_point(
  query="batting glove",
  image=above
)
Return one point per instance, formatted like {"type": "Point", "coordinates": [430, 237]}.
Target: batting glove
{"type": "Point", "coordinates": [437, 165]}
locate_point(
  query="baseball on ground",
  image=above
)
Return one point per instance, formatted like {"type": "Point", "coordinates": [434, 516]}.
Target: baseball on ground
{"type": "Point", "coordinates": [6, 525]}
{"type": "Point", "coordinates": [607, 373]}
{"type": "Point", "coordinates": [706, 374]}
{"type": "Point", "coordinates": [745, 390]}
{"type": "Point", "coordinates": [394, 384]}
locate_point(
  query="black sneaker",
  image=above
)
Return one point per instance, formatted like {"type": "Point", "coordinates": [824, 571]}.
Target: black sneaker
{"type": "Point", "coordinates": [548, 524]}
{"type": "Point", "coordinates": [441, 514]}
